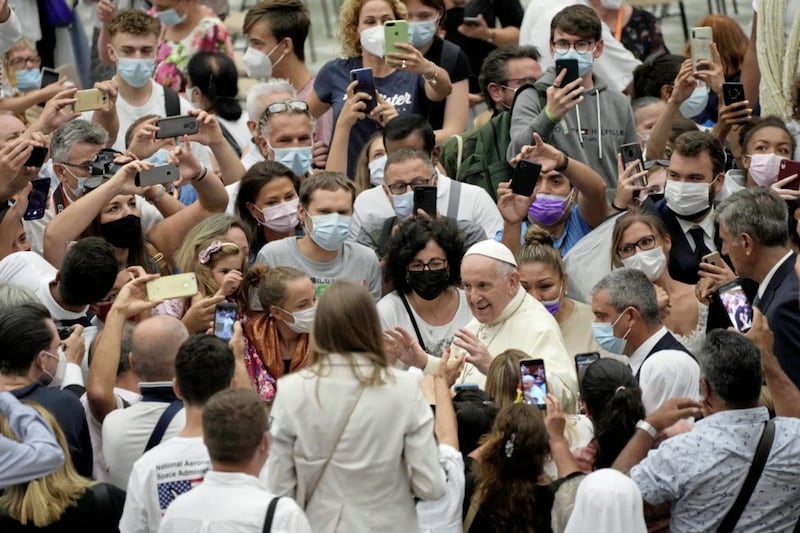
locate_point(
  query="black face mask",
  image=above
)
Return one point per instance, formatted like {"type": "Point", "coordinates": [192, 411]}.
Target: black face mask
{"type": "Point", "coordinates": [429, 284]}
{"type": "Point", "coordinates": [124, 232]}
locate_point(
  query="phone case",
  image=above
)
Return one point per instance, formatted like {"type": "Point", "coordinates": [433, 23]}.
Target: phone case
{"type": "Point", "coordinates": [90, 100]}
{"type": "Point", "coordinates": [176, 126]}
{"type": "Point", "coordinates": [789, 168]}
{"type": "Point", "coordinates": [37, 157]}
{"type": "Point", "coordinates": [175, 286]}
{"type": "Point", "coordinates": [572, 70]}
{"type": "Point", "coordinates": [160, 174]}
{"type": "Point", "coordinates": [732, 93]}
{"type": "Point", "coordinates": [395, 31]}
{"type": "Point", "coordinates": [366, 84]}
{"type": "Point", "coordinates": [37, 199]}
{"type": "Point", "coordinates": [425, 199]}
{"type": "Point", "coordinates": [525, 176]}
{"type": "Point", "coordinates": [701, 44]}
{"type": "Point", "coordinates": [49, 76]}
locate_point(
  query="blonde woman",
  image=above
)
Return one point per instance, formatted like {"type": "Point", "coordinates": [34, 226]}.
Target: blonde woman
{"type": "Point", "coordinates": [352, 438]}
{"type": "Point", "coordinates": [61, 501]}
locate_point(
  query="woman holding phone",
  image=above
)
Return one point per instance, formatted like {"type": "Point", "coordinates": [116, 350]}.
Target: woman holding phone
{"type": "Point", "coordinates": [403, 80]}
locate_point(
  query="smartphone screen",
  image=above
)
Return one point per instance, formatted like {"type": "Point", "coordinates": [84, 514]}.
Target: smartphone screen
{"type": "Point", "coordinates": [739, 310]}
{"type": "Point", "coordinates": [224, 318]}
{"type": "Point", "coordinates": [582, 362]}
{"type": "Point", "coordinates": [732, 92]}
{"type": "Point", "coordinates": [534, 382]}
{"type": "Point", "coordinates": [37, 199]}
{"type": "Point", "coordinates": [37, 157]}
{"type": "Point", "coordinates": [49, 76]}
{"type": "Point", "coordinates": [525, 176]}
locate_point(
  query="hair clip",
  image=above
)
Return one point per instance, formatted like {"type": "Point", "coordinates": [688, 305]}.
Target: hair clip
{"type": "Point", "coordinates": [205, 255]}
{"type": "Point", "coordinates": [620, 388]}
{"type": "Point", "coordinates": [509, 447]}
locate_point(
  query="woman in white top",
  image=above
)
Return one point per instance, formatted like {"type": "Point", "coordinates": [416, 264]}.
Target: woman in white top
{"type": "Point", "coordinates": [352, 438]}
{"type": "Point", "coordinates": [424, 267]}
{"type": "Point", "coordinates": [641, 241]}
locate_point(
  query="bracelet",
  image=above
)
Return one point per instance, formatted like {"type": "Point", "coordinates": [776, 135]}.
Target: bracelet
{"type": "Point", "coordinates": [550, 116]}
{"type": "Point", "coordinates": [647, 428]}
{"type": "Point", "coordinates": [490, 39]}
{"type": "Point", "coordinates": [618, 208]}
{"type": "Point", "coordinates": [201, 175]}
{"type": "Point", "coordinates": [432, 80]}
{"type": "Point", "coordinates": [563, 166]}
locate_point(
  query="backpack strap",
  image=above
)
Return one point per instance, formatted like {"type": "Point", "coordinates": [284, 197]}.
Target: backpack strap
{"type": "Point", "coordinates": [273, 504]}
{"type": "Point", "coordinates": [759, 460]}
{"type": "Point", "coordinates": [231, 139]}
{"type": "Point", "coordinates": [454, 200]}
{"type": "Point", "coordinates": [172, 103]}
{"type": "Point", "coordinates": [163, 423]}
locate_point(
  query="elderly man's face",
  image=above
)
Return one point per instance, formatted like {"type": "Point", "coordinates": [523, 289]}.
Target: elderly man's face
{"type": "Point", "coordinates": [488, 292]}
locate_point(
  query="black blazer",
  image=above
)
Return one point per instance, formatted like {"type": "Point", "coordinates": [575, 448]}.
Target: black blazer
{"type": "Point", "coordinates": [780, 305]}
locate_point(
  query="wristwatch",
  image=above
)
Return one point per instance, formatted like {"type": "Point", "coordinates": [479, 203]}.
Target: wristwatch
{"type": "Point", "coordinates": [647, 428]}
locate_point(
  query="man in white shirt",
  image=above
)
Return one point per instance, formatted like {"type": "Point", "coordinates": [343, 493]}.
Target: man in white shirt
{"type": "Point", "coordinates": [456, 200]}
{"type": "Point", "coordinates": [625, 307]}
{"type": "Point", "coordinates": [204, 366]}
{"type": "Point", "coordinates": [232, 497]}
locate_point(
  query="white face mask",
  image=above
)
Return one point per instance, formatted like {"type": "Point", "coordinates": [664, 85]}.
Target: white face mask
{"type": "Point", "coordinates": [687, 199]}
{"type": "Point", "coordinates": [303, 320]}
{"type": "Point", "coordinates": [57, 379]}
{"type": "Point", "coordinates": [373, 40]}
{"type": "Point", "coordinates": [651, 262]}
{"type": "Point", "coordinates": [376, 171]}
{"type": "Point", "coordinates": [257, 64]}
{"type": "Point", "coordinates": [764, 168]}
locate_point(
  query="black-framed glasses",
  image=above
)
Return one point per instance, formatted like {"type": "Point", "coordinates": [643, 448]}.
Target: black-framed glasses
{"type": "Point", "coordinates": [20, 61]}
{"type": "Point", "coordinates": [645, 243]}
{"type": "Point", "coordinates": [582, 47]}
{"type": "Point", "coordinates": [400, 188]}
{"type": "Point", "coordinates": [437, 263]}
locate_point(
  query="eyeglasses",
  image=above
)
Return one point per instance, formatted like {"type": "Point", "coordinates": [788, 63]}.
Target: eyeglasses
{"type": "Point", "coordinates": [295, 106]}
{"type": "Point", "coordinates": [434, 264]}
{"type": "Point", "coordinates": [400, 188]}
{"type": "Point", "coordinates": [656, 163]}
{"type": "Point", "coordinates": [582, 47]}
{"type": "Point", "coordinates": [645, 243]}
{"type": "Point", "coordinates": [87, 167]}
{"type": "Point", "coordinates": [519, 81]}
{"type": "Point", "coordinates": [19, 61]}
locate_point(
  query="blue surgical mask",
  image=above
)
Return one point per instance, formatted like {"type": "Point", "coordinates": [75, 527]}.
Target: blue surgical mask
{"type": "Point", "coordinates": [585, 61]}
{"type": "Point", "coordinates": [297, 158]}
{"type": "Point", "coordinates": [376, 170]}
{"type": "Point", "coordinates": [90, 183]}
{"type": "Point", "coordinates": [403, 203]}
{"type": "Point", "coordinates": [28, 79]}
{"type": "Point", "coordinates": [421, 33]}
{"type": "Point", "coordinates": [161, 157]}
{"type": "Point", "coordinates": [604, 335]}
{"type": "Point", "coordinates": [330, 231]}
{"type": "Point", "coordinates": [170, 17]}
{"type": "Point", "coordinates": [135, 72]}
{"type": "Point", "coordinates": [696, 103]}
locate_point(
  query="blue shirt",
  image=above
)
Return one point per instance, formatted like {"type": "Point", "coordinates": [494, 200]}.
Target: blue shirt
{"type": "Point", "coordinates": [403, 89]}
{"type": "Point", "coordinates": [575, 229]}
{"type": "Point", "coordinates": [701, 473]}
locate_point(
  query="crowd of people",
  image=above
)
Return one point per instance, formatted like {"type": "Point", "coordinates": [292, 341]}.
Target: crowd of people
{"type": "Point", "coordinates": [336, 303]}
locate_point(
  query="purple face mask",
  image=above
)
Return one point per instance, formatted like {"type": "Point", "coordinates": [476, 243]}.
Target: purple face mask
{"type": "Point", "coordinates": [552, 306]}
{"type": "Point", "coordinates": [547, 209]}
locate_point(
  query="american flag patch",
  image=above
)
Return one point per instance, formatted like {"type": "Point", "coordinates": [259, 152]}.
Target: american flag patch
{"type": "Point", "coordinates": [170, 490]}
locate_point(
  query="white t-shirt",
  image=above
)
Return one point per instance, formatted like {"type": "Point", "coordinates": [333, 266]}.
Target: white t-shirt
{"type": "Point", "coordinates": [393, 313]}
{"type": "Point", "coordinates": [172, 468]}
{"type": "Point", "coordinates": [444, 515]}
{"type": "Point", "coordinates": [238, 129]}
{"type": "Point", "coordinates": [251, 155]}
{"type": "Point", "coordinates": [372, 208]}
{"type": "Point", "coordinates": [100, 471]}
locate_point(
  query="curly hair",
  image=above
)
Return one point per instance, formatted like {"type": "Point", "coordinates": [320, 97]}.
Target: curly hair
{"type": "Point", "coordinates": [411, 237]}
{"type": "Point", "coordinates": [348, 23]}
{"type": "Point", "coordinates": [136, 22]}
{"type": "Point", "coordinates": [511, 465]}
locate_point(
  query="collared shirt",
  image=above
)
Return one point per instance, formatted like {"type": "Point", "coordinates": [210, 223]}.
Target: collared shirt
{"type": "Point", "coordinates": [707, 224]}
{"type": "Point", "coordinates": [701, 473]}
{"type": "Point", "coordinates": [667, 374]}
{"type": "Point", "coordinates": [762, 287]}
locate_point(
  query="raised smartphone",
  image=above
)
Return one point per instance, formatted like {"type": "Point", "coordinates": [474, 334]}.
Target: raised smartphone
{"type": "Point", "coordinates": [90, 100]}
{"type": "Point", "coordinates": [366, 84]}
{"type": "Point", "coordinates": [49, 76]}
{"type": "Point", "coordinates": [37, 199]}
{"type": "Point", "coordinates": [732, 92]}
{"type": "Point", "coordinates": [582, 362]}
{"type": "Point", "coordinates": [701, 39]}
{"type": "Point", "coordinates": [789, 168]}
{"type": "Point", "coordinates": [37, 157]}
{"type": "Point", "coordinates": [534, 382]}
{"type": "Point", "coordinates": [471, 21]}
{"type": "Point", "coordinates": [224, 318]}
{"type": "Point", "coordinates": [395, 31]}
{"type": "Point", "coordinates": [160, 174]}
{"type": "Point", "coordinates": [632, 153]}
{"type": "Point", "coordinates": [738, 307]}
{"type": "Point", "coordinates": [425, 199]}
{"type": "Point", "coordinates": [571, 66]}
{"type": "Point", "coordinates": [525, 176]}
{"type": "Point", "coordinates": [175, 286]}
{"type": "Point", "coordinates": [177, 126]}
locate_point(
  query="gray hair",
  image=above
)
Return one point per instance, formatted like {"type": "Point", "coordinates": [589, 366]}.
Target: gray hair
{"type": "Point", "coordinates": [758, 211]}
{"type": "Point", "coordinates": [255, 96]}
{"type": "Point", "coordinates": [12, 296]}
{"type": "Point", "coordinates": [629, 287]}
{"type": "Point", "coordinates": [75, 131]}
{"type": "Point", "coordinates": [731, 363]}
{"type": "Point", "coordinates": [407, 154]}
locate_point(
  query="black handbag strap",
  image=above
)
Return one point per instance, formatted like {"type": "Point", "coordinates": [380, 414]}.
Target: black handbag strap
{"type": "Point", "coordinates": [413, 320]}
{"type": "Point", "coordinates": [759, 460]}
{"type": "Point", "coordinates": [273, 504]}
{"type": "Point", "coordinates": [163, 423]}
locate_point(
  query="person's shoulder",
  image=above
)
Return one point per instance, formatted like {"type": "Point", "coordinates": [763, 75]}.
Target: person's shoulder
{"type": "Point", "coordinates": [390, 301]}
{"type": "Point", "coordinates": [367, 198]}
{"type": "Point", "coordinates": [357, 250]}
{"type": "Point", "coordinates": [337, 65]}
{"type": "Point", "coordinates": [278, 246]}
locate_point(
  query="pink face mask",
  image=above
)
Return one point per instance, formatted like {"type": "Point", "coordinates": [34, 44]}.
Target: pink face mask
{"type": "Point", "coordinates": [764, 168]}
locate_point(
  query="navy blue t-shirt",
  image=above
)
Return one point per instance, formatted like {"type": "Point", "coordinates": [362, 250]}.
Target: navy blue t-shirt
{"type": "Point", "coordinates": [403, 89]}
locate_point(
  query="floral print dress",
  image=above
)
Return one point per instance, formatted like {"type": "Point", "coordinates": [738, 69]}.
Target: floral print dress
{"type": "Point", "coordinates": [210, 35]}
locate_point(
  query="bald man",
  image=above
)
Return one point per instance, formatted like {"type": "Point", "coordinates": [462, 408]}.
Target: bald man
{"type": "Point", "coordinates": [128, 432]}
